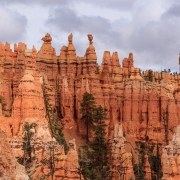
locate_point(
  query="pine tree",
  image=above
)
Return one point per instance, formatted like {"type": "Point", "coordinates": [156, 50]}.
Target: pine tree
{"type": "Point", "coordinates": [59, 136]}
{"type": "Point", "coordinates": [150, 75]}
{"type": "Point", "coordinates": [99, 145]}
{"type": "Point", "coordinates": [93, 159]}
{"type": "Point", "coordinates": [26, 146]}
{"type": "Point", "coordinates": [155, 162]}
{"type": "Point", "coordinates": [84, 162]}
{"type": "Point", "coordinates": [87, 108]}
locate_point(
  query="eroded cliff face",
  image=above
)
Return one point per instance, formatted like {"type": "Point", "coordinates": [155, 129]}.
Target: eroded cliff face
{"type": "Point", "coordinates": [171, 157]}
{"type": "Point", "coordinates": [147, 111]}
{"type": "Point", "coordinates": [120, 159]}
{"type": "Point", "coordinates": [10, 169]}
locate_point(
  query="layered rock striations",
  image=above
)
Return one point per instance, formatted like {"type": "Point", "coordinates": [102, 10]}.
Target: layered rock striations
{"type": "Point", "coordinates": [9, 167]}
{"type": "Point", "coordinates": [171, 157]}
{"type": "Point", "coordinates": [122, 91]}
{"type": "Point", "coordinates": [120, 159]}
{"type": "Point", "coordinates": [145, 104]}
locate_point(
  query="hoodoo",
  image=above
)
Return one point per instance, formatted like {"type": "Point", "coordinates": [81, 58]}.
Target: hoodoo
{"type": "Point", "coordinates": [45, 90]}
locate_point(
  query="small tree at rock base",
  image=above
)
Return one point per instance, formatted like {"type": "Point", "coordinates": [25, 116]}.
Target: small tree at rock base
{"type": "Point", "coordinates": [93, 158]}
{"type": "Point", "coordinates": [84, 162]}
{"type": "Point", "coordinates": [87, 108]}
{"type": "Point", "coordinates": [99, 144]}
{"type": "Point", "coordinates": [26, 145]}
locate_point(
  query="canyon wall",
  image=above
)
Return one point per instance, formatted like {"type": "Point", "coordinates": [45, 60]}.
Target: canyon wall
{"type": "Point", "coordinates": [126, 94]}
{"type": "Point", "coordinates": [145, 104]}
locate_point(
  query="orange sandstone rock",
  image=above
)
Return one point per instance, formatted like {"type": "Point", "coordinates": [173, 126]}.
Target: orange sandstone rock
{"type": "Point", "coordinates": [147, 168]}
{"type": "Point", "coordinates": [9, 167]}
{"type": "Point", "coordinates": [147, 110]}
{"type": "Point", "coordinates": [120, 160]}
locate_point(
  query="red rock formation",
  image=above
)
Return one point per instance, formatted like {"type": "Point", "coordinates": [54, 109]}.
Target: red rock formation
{"type": "Point", "coordinates": [9, 167]}
{"type": "Point", "coordinates": [147, 168]}
{"type": "Point", "coordinates": [28, 101]}
{"type": "Point", "coordinates": [107, 60]}
{"type": "Point", "coordinates": [71, 165]}
{"type": "Point", "coordinates": [46, 61]}
{"type": "Point", "coordinates": [67, 105]}
{"type": "Point", "coordinates": [120, 160]}
{"type": "Point", "coordinates": [128, 62]}
{"type": "Point", "coordinates": [135, 73]}
{"type": "Point", "coordinates": [171, 157]}
{"type": "Point", "coordinates": [147, 110]}
{"type": "Point", "coordinates": [115, 60]}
